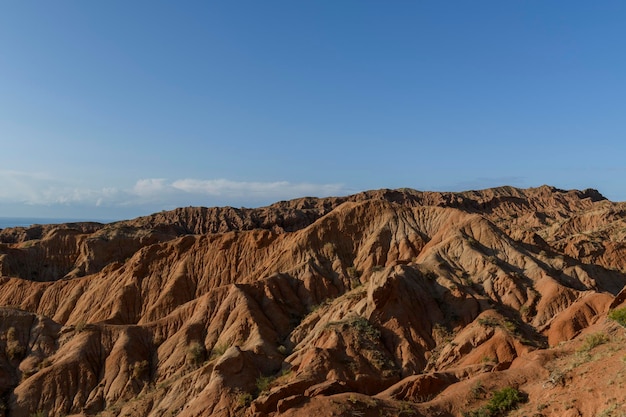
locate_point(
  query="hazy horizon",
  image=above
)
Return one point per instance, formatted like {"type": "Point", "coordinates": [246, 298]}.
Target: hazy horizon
{"type": "Point", "coordinates": [115, 109]}
{"type": "Point", "coordinates": [11, 221]}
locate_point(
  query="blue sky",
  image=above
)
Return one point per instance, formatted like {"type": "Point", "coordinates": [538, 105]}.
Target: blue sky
{"type": "Point", "coordinates": [117, 109]}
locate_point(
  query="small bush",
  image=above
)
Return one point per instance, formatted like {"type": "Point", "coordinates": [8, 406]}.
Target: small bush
{"type": "Point", "coordinates": [619, 316]}
{"type": "Point", "coordinates": [244, 399]}
{"type": "Point", "coordinates": [140, 369]}
{"type": "Point", "coordinates": [195, 354]}
{"type": "Point", "coordinates": [44, 363]}
{"type": "Point", "coordinates": [329, 247]}
{"type": "Point", "coordinates": [488, 322]}
{"type": "Point", "coordinates": [441, 334]}
{"type": "Point", "coordinates": [80, 326]}
{"type": "Point", "coordinates": [478, 391]}
{"type": "Point", "coordinates": [502, 401]}
{"type": "Point", "coordinates": [592, 341]}
{"type": "Point", "coordinates": [14, 348]}
{"type": "Point", "coordinates": [510, 326]}
{"type": "Point", "coordinates": [353, 272]}
{"type": "Point", "coordinates": [355, 283]}
{"type": "Point", "coordinates": [316, 307]}
{"type": "Point", "coordinates": [557, 377]}
{"type": "Point", "coordinates": [481, 412]}
{"type": "Point", "coordinates": [286, 373]}
{"type": "Point", "coordinates": [363, 326]}
{"type": "Point", "coordinates": [11, 333]}
{"type": "Point", "coordinates": [263, 383]}
{"type": "Point", "coordinates": [27, 373]}
{"type": "Point", "coordinates": [218, 350]}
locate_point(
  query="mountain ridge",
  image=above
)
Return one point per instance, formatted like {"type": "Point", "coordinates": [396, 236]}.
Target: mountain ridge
{"type": "Point", "coordinates": [380, 303]}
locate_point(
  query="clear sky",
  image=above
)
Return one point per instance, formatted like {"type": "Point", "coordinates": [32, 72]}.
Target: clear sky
{"type": "Point", "coordinates": [115, 109]}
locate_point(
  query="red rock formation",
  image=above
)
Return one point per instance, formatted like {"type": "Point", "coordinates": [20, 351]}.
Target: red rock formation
{"type": "Point", "coordinates": [378, 303]}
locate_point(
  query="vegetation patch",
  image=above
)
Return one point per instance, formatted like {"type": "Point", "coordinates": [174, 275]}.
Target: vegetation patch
{"type": "Point", "coordinates": [264, 383]}
{"type": "Point", "coordinates": [364, 327]}
{"type": "Point", "coordinates": [218, 350]}
{"type": "Point", "coordinates": [360, 324]}
{"type": "Point", "coordinates": [324, 303]}
{"type": "Point", "coordinates": [140, 369]}
{"type": "Point", "coordinates": [619, 315]}
{"type": "Point", "coordinates": [478, 391]}
{"type": "Point", "coordinates": [80, 326]}
{"type": "Point", "coordinates": [44, 363]}
{"type": "Point", "coordinates": [14, 349]}
{"type": "Point", "coordinates": [355, 277]}
{"type": "Point", "coordinates": [353, 272]}
{"type": "Point", "coordinates": [500, 403]}
{"type": "Point", "coordinates": [195, 354]}
{"type": "Point", "coordinates": [244, 399]}
{"type": "Point", "coordinates": [592, 341]}
{"type": "Point", "coordinates": [488, 322]}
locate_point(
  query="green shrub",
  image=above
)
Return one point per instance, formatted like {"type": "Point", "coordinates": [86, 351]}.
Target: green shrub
{"type": "Point", "coordinates": [477, 391]}
{"type": "Point", "coordinates": [481, 412]}
{"type": "Point", "coordinates": [488, 322]}
{"type": "Point", "coordinates": [619, 316]}
{"type": "Point", "coordinates": [14, 349]}
{"type": "Point", "coordinates": [363, 326]}
{"type": "Point", "coordinates": [263, 383]}
{"type": "Point", "coordinates": [244, 399]}
{"type": "Point", "coordinates": [592, 341]}
{"type": "Point", "coordinates": [504, 400]}
{"type": "Point", "coordinates": [406, 408]}
{"type": "Point", "coordinates": [501, 401]}
{"type": "Point", "coordinates": [195, 354]}
{"type": "Point", "coordinates": [510, 326]}
{"type": "Point", "coordinates": [218, 350]}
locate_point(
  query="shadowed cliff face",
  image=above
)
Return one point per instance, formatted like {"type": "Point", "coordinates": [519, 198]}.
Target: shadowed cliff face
{"type": "Point", "coordinates": [380, 303]}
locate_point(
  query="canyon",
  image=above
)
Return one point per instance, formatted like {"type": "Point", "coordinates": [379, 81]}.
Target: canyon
{"type": "Point", "coordinates": [382, 303]}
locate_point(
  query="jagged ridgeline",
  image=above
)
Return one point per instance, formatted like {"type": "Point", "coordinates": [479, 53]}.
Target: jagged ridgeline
{"type": "Point", "coordinates": [383, 303]}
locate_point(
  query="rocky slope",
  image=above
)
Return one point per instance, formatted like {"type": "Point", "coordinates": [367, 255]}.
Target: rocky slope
{"type": "Point", "coordinates": [388, 302]}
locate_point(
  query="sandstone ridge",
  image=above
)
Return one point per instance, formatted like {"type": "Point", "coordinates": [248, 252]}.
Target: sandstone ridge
{"type": "Point", "coordinates": [386, 302]}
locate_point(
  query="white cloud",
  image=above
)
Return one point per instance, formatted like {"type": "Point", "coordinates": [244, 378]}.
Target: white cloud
{"type": "Point", "coordinates": [277, 189]}
{"type": "Point", "coordinates": [150, 186]}
{"type": "Point", "coordinates": [40, 189]}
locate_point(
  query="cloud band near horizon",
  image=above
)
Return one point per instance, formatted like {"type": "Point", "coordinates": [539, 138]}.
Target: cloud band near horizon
{"type": "Point", "coordinates": [42, 189]}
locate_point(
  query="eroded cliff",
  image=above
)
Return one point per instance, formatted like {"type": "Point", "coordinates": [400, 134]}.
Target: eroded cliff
{"type": "Point", "coordinates": [381, 303]}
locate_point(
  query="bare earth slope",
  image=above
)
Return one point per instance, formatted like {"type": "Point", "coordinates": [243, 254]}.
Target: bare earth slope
{"type": "Point", "coordinates": [388, 302]}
